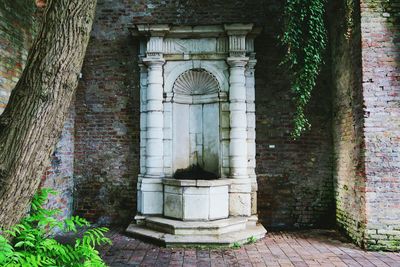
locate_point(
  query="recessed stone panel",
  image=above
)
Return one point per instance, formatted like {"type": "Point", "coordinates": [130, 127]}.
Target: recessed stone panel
{"type": "Point", "coordinates": [196, 207]}
{"type": "Point", "coordinates": [240, 204]}
{"type": "Point", "coordinates": [219, 202]}
{"type": "Point", "coordinates": [173, 205]}
{"type": "Point", "coordinates": [196, 200]}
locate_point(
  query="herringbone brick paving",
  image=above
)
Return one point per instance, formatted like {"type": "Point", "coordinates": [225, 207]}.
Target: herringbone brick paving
{"type": "Point", "coordinates": [299, 248]}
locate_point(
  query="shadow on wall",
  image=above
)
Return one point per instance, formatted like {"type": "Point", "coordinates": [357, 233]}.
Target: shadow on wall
{"type": "Point", "coordinates": [107, 130]}
{"type": "Point", "coordinates": [295, 177]}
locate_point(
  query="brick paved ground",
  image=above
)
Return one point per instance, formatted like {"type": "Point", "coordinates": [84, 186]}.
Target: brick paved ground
{"type": "Point", "coordinates": [301, 248]}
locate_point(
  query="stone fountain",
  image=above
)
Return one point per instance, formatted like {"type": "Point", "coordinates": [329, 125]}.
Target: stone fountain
{"type": "Point", "coordinates": [197, 182]}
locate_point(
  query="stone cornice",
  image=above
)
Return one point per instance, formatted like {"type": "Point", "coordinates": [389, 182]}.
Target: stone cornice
{"type": "Point", "coordinates": [201, 31]}
{"type": "Point", "coordinates": [196, 42]}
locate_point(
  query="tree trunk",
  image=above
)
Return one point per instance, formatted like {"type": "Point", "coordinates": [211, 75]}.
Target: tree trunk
{"type": "Point", "coordinates": [33, 119]}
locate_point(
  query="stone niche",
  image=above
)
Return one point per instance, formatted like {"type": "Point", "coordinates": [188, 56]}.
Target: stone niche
{"type": "Point", "coordinates": [197, 113]}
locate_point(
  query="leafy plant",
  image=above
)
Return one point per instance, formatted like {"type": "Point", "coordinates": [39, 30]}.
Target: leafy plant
{"type": "Point", "coordinates": [251, 240]}
{"type": "Point", "coordinates": [236, 245]}
{"type": "Point", "coordinates": [349, 7]}
{"type": "Point", "coordinates": [305, 38]}
{"type": "Point", "coordinates": [32, 245]}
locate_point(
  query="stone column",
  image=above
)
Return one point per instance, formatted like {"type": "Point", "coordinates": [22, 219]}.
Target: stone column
{"type": "Point", "coordinates": [251, 132]}
{"type": "Point", "coordinates": [238, 118]}
{"type": "Point", "coordinates": [143, 119]}
{"type": "Point", "coordinates": [240, 190]}
{"type": "Point", "coordinates": [151, 188]}
{"type": "Point", "coordinates": [143, 129]}
{"type": "Point", "coordinates": [154, 119]}
{"type": "Point", "coordinates": [251, 116]}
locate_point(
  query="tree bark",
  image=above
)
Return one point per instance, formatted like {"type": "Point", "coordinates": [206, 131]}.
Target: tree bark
{"type": "Point", "coordinates": [33, 119]}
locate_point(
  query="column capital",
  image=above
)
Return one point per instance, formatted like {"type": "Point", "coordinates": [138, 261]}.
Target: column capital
{"type": "Point", "coordinates": [150, 62]}
{"type": "Point", "coordinates": [251, 63]}
{"type": "Point", "coordinates": [237, 61]}
{"type": "Point", "coordinates": [142, 66]}
{"type": "Point", "coordinates": [237, 38]}
{"type": "Point", "coordinates": [238, 28]}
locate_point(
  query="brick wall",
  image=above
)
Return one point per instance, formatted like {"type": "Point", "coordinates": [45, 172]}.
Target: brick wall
{"type": "Point", "coordinates": [59, 175]}
{"type": "Point", "coordinates": [295, 178]}
{"type": "Point", "coordinates": [348, 120]}
{"type": "Point", "coordinates": [17, 26]}
{"type": "Point", "coordinates": [366, 84]}
{"type": "Point", "coordinates": [380, 39]}
{"type": "Point", "coordinates": [107, 119]}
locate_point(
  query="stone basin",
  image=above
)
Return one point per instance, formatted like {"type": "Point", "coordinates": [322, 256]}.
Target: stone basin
{"type": "Point", "coordinates": [196, 200]}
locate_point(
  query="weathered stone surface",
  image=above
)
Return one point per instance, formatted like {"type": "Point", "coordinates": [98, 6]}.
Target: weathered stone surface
{"type": "Point", "coordinates": [239, 204]}
{"type": "Point", "coordinates": [216, 227]}
{"type": "Point", "coordinates": [188, 202]}
{"type": "Point", "coordinates": [219, 202]}
{"type": "Point", "coordinates": [218, 233]}
{"type": "Point", "coordinates": [60, 174]}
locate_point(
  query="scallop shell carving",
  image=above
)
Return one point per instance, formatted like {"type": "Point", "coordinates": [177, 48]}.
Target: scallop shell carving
{"type": "Point", "coordinates": [196, 82]}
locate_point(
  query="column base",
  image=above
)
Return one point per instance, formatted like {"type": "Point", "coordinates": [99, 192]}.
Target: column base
{"type": "Point", "coordinates": [240, 196]}
{"type": "Point", "coordinates": [150, 195]}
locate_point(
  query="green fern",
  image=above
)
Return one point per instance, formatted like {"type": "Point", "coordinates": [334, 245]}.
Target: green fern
{"type": "Point", "coordinates": [32, 246]}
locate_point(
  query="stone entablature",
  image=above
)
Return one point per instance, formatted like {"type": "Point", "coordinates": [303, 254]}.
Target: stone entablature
{"type": "Point", "coordinates": [197, 42]}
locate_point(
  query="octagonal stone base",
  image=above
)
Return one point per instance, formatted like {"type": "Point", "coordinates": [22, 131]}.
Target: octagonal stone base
{"type": "Point", "coordinates": [182, 198]}
{"type": "Point", "coordinates": [174, 233]}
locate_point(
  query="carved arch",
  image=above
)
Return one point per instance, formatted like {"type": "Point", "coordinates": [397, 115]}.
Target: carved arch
{"type": "Point", "coordinates": [217, 71]}
{"type": "Point", "coordinates": [196, 81]}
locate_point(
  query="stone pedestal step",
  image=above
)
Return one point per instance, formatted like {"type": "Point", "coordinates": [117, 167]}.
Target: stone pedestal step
{"type": "Point", "coordinates": [177, 227]}
{"type": "Point", "coordinates": [250, 233]}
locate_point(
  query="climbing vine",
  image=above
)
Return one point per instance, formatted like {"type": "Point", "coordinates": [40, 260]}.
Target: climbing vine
{"type": "Point", "coordinates": [305, 38]}
{"type": "Point", "coordinates": [349, 9]}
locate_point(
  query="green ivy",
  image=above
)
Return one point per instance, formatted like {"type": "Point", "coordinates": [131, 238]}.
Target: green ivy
{"type": "Point", "coordinates": [32, 246]}
{"type": "Point", "coordinates": [349, 7]}
{"type": "Point", "coordinates": [305, 38]}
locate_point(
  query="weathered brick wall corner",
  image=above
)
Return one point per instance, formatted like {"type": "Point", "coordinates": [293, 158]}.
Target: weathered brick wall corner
{"type": "Point", "coordinates": [380, 39]}
{"type": "Point", "coordinates": [366, 116]}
